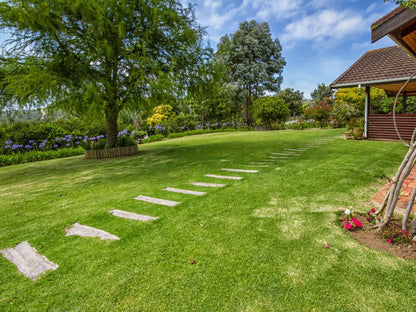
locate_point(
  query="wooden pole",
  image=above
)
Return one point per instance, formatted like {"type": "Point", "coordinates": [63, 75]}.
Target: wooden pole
{"type": "Point", "coordinates": [367, 111]}
{"type": "Point", "coordinates": [404, 108]}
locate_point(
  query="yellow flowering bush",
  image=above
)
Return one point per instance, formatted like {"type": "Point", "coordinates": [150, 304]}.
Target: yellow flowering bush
{"type": "Point", "coordinates": [161, 114]}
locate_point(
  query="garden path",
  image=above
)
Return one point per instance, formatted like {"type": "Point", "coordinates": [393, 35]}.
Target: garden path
{"type": "Point", "coordinates": [32, 264]}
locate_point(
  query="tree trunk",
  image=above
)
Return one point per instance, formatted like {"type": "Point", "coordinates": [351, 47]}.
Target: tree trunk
{"type": "Point", "coordinates": [247, 104]}
{"type": "Point", "coordinates": [391, 198]}
{"type": "Point", "coordinates": [111, 116]}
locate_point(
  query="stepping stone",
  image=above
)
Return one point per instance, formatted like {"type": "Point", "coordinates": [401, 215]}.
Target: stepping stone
{"type": "Point", "coordinates": [280, 157]}
{"type": "Point", "coordinates": [223, 177]}
{"type": "Point", "coordinates": [294, 149]}
{"type": "Point", "coordinates": [260, 166]}
{"type": "Point", "coordinates": [240, 170]}
{"type": "Point", "coordinates": [175, 190]}
{"type": "Point", "coordinates": [27, 260]}
{"type": "Point", "coordinates": [132, 216]}
{"type": "Point", "coordinates": [285, 154]}
{"type": "Point", "coordinates": [208, 184]}
{"type": "Point", "coordinates": [87, 231]}
{"type": "Point", "coordinates": [256, 163]}
{"type": "Point", "coordinates": [158, 201]}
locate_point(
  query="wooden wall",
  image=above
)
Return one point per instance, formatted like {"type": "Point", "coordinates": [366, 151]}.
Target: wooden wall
{"type": "Point", "coordinates": [381, 126]}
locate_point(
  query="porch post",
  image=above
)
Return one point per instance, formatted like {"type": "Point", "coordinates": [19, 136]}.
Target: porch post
{"type": "Point", "coordinates": [367, 111]}
{"type": "Point", "coordinates": [404, 102]}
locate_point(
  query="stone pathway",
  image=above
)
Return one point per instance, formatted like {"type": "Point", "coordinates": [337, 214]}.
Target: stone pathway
{"type": "Point", "coordinates": [87, 231]}
{"type": "Point", "coordinates": [132, 216]}
{"type": "Point", "coordinates": [158, 201]}
{"type": "Point", "coordinates": [187, 192]}
{"type": "Point", "coordinates": [222, 177]}
{"type": "Point", "coordinates": [240, 170]}
{"type": "Point", "coordinates": [285, 154]}
{"type": "Point", "coordinates": [32, 264]}
{"type": "Point", "coordinates": [208, 184]}
{"type": "Point", "coordinates": [28, 261]}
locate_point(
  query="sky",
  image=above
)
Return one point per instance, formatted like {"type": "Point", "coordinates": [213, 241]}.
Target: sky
{"type": "Point", "coordinates": [320, 38]}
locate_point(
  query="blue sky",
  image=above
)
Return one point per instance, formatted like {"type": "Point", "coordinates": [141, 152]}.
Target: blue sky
{"type": "Point", "coordinates": [320, 39]}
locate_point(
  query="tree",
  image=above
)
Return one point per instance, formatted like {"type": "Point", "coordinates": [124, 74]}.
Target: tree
{"type": "Point", "coordinates": [322, 92]}
{"type": "Point", "coordinates": [209, 92]}
{"type": "Point", "coordinates": [254, 62]}
{"type": "Point", "coordinates": [270, 110]}
{"type": "Point", "coordinates": [97, 56]}
{"type": "Point", "coordinates": [410, 4]}
{"type": "Point", "coordinates": [293, 99]}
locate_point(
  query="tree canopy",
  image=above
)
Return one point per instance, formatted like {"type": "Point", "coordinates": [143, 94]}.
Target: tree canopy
{"type": "Point", "coordinates": [97, 56]}
{"type": "Point", "coordinates": [293, 99]}
{"type": "Point", "coordinates": [322, 92]}
{"type": "Point", "coordinates": [410, 4]}
{"type": "Point", "coordinates": [253, 60]}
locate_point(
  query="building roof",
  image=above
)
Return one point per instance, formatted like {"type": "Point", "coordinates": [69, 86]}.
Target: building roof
{"type": "Point", "coordinates": [386, 68]}
{"type": "Point", "coordinates": [400, 26]}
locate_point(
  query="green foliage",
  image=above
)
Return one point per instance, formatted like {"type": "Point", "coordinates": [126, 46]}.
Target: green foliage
{"type": "Point", "coordinates": [345, 112]}
{"type": "Point", "coordinates": [50, 131]}
{"type": "Point", "coordinates": [154, 138]}
{"type": "Point", "coordinates": [270, 110]}
{"type": "Point", "coordinates": [20, 158]}
{"type": "Point", "coordinates": [320, 111]}
{"type": "Point", "coordinates": [352, 101]}
{"type": "Point", "coordinates": [97, 57]}
{"type": "Point", "coordinates": [21, 131]}
{"type": "Point", "coordinates": [410, 4]}
{"type": "Point", "coordinates": [293, 100]}
{"type": "Point", "coordinates": [322, 92]}
{"type": "Point", "coordinates": [253, 60]}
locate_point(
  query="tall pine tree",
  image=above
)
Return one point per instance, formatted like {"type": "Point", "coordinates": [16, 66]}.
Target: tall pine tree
{"type": "Point", "coordinates": [254, 62]}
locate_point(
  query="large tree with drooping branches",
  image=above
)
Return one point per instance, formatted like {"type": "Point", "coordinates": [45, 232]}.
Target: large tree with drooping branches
{"type": "Point", "coordinates": [96, 56]}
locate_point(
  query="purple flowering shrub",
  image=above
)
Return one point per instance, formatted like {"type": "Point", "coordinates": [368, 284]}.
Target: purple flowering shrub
{"type": "Point", "coordinates": [68, 141]}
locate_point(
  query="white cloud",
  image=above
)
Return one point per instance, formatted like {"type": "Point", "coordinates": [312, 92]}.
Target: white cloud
{"type": "Point", "coordinates": [276, 9]}
{"type": "Point", "coordinates": [325, 25]}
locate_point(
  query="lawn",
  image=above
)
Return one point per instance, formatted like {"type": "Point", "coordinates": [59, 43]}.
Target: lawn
{"type": "Point", "coordinates": [257, 244]}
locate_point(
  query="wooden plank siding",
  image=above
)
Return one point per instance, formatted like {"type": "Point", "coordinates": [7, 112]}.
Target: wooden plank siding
{"type": "Point", "coordinates": [382, 127]}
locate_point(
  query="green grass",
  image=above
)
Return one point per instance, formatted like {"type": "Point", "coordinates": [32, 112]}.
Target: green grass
{"type": "Point", "coordinates": [258, 243]}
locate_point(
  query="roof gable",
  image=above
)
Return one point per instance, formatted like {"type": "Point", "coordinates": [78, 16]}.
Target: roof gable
{"type": "Point", "coordinates": [381, 66]}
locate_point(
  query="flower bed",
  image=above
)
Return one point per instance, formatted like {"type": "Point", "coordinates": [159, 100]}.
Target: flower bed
{"type": "Point", "coordinates": [391, 240]}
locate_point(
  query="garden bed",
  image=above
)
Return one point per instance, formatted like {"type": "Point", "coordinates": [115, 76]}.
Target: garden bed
{"type": "Point", "coordinates": [111, 152]}
{"type": "Point", "coordinates": [374, 239]}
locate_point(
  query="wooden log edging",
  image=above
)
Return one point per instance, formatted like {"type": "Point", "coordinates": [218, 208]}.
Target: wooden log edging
{"type": "Point", "coordinates": [111, 152]}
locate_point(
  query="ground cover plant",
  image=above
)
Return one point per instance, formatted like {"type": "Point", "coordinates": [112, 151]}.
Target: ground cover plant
{"type": "Point", "coordinates": [269, 242]}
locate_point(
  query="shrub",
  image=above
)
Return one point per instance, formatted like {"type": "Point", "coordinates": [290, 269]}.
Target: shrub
{"type": "Point", "coordinates": [320, 111]}
{"type": "Point", "coordinates": [153, 138]}
{"type": "Point", "coordinates": [19, 158]}
{"type": "Point", "coordinates": [270, 110]}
